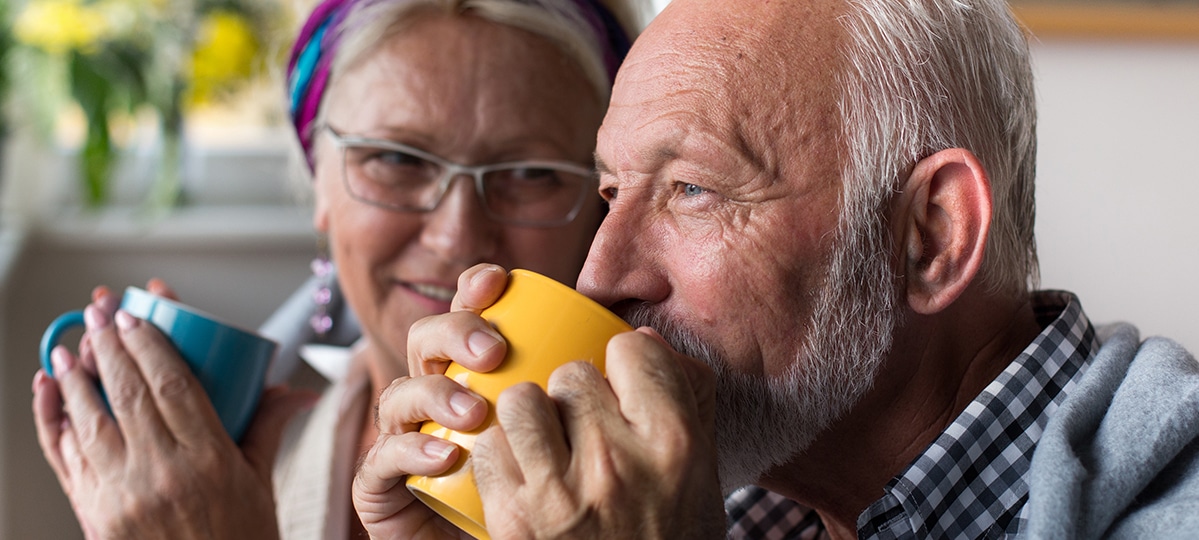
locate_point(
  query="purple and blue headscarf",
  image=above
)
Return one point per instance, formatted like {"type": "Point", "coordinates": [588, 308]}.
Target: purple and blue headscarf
{"type": "Point", "coordinates": [313, 52]}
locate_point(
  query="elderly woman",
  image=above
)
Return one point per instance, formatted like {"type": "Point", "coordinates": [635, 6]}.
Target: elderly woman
{"type": "Point", "coordinates": [440, 134]}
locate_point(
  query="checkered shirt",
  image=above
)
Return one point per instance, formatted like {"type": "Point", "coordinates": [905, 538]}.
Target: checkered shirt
{"type": "Point", "coordinates": [970, 482]}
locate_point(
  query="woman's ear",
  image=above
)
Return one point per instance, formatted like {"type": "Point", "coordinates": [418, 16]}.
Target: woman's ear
{"type": "Point", "coordinates": [320, 197]}
{"type": "Point", "coordinates": [320, 213]}
{"type": "Point", "coordinates": [944, 216]}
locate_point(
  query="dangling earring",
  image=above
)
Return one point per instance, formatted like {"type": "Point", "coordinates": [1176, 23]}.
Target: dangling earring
{"type": "Point", "coordinates": [322, 268]}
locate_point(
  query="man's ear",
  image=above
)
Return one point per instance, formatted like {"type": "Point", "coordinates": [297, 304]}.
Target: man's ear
{"type": "Point", "coordinates": [945, 216]}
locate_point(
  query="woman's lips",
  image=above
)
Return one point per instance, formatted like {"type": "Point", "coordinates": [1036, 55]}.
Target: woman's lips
{"type": "Point", "coordinates": [433, 292]}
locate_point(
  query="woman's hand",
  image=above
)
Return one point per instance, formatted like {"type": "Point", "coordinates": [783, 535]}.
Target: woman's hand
{"type": "Point", "coordinates": [160, 465]}
{"type": "Point", "coordinates": [385, 506]}
{"type": "Point", "coordinates": [629, 456]}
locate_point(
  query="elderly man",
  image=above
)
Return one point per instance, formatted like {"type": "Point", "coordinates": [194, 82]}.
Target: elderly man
{"type": "Point", "coordinates": [821, 214]}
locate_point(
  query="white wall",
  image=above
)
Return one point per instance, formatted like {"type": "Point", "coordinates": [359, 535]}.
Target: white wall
{"type": "Point", "coordinates": [1118, 180]}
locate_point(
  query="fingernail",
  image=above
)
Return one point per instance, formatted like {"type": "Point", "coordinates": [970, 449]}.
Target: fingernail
{"type": "Point", "coordinates": [94, 318]}
{"type": "Point", "coordinates": [437, 449]}
{"type": "Point", "coordinates": [481, 342]}
{"type": "Point", "coordinates": [125, 321]}
{"type": "Point", "coordinates": [37, 380]}
{"type": "Point", "coordinates": [107, 303]}
{"type": "Point", "coordinates": [482, 275]}
{"type": "Point", "coordinates": [62, 360]}
{"type": "Point", "coordinates": [461, 403]}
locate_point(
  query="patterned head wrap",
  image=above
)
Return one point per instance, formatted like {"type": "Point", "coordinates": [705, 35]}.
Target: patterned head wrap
{"type": "Point", "coordinates": [316, 46]}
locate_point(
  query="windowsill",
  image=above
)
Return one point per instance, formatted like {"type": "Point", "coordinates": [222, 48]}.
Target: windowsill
{"type": "Point", "coordinates": [191, 227]}
{"type": "Point", "coordinates": [12, 242]}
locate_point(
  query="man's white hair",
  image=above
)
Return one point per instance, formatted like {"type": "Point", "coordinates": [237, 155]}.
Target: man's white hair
{"type": "Point", "coordinates": [927, 75]}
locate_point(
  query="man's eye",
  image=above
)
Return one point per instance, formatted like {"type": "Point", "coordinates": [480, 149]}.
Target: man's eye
{"type": "Point", "coordinates": [692, 190]}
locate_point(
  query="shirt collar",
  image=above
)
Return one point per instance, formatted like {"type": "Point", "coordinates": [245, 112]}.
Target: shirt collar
{"type": "Point", "coordinates": [971, 481]}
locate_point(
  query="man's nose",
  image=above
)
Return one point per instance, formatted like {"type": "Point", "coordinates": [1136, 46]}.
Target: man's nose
{"type": "Point", "coordinates": [622, 264]}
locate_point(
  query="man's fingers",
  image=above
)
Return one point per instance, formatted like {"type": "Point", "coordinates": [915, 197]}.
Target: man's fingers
{"type": "Point", "coordinates": [461, 337]}
{"type": "Point", "coordinates": [498, 477]}
{"type": "Point", "coordinates": [479, 287]}
{"type": "Point", "coordinates": [176, 395]}
{"type": "Point", "coordinates": [700, 377]}
{"type": "Point", "coordinates": [647, 379]}
{"type": "Point", "coordinates": [534, 431]}
{"type": "Point", "coordinates": [379, 492]}
{"type": "Point", "coordinates": [409, 401]}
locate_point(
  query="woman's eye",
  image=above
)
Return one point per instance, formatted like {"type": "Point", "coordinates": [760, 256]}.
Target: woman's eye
{"type": "Point", "coordinates": [391, 157]}
{"type": "Point", "coordinates": [692, 190]}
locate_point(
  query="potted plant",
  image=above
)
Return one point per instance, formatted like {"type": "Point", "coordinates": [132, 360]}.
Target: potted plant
{"type": "Point", "coordinates": [6, 44]}
{"type": "Point", "coordinates": [120, 56]}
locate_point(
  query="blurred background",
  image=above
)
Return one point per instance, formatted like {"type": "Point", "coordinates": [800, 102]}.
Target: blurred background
{"type": "Point", "coordinates": [144, 138]}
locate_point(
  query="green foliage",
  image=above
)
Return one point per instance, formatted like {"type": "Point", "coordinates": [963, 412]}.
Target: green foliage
{"type": "Point", "coordinates": [112, 57]}
{"type": "Point", "coordinates": [6, 45]}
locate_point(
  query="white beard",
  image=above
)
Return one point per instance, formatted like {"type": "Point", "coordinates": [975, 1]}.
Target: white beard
{"type": "Point", "coordinates": [763, 422]}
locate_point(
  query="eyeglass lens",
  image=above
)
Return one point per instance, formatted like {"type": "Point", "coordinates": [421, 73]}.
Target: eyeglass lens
{"type": "Point", "coordinates": [402, 180]}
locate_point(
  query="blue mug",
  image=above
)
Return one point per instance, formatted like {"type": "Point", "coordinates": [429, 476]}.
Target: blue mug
{"type": "Point", "coordinates": [230, 363]}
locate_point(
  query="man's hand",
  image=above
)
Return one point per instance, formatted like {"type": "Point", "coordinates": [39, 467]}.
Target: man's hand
{"type": "Point", "coordinates": [160, 465]}
{"type": "Point", "coordinates": [630, 456]}
{"type": "Point", "coordinates": [385, 506]}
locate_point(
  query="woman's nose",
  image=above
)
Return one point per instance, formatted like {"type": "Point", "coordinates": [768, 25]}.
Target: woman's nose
{"type": "Point", "coordinates": [459, 229]}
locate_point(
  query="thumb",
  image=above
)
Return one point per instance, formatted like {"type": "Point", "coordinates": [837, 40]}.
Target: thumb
{"type": "Point", "coordinates": [276, 408]}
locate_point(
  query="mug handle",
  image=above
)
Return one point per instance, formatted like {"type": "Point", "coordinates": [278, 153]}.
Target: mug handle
{"type": "Point", "coordinates": [54, 333]}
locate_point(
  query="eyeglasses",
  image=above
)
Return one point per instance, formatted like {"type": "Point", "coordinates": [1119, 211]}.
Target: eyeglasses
{"type": "Point", "coordinates": [533, 193]}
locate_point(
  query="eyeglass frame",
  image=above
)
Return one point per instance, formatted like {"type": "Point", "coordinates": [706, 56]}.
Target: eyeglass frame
{"type": "Point", "coordinates": [453, 170]}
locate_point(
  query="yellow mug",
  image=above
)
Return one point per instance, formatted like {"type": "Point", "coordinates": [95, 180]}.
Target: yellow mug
{"type": "Point", "coordinates": [546, 325]}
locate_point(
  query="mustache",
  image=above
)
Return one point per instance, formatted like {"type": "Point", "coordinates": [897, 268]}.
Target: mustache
{"type": "Point", "coordinates": [676, 333]}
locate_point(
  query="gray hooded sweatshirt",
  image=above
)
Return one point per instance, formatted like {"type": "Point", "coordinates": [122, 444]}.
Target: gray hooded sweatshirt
{"type": "Point", "coordinates": [1120, 458]}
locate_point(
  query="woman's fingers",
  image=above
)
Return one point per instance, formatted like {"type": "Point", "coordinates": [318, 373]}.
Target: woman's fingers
{"type": "Point", "coordinates": [461, 336]}
{"type": "Point", "coordinates": [160, 288]}
{"type": "Point", "coordinates": [409, 401]}
{"type": "Point", "coordinates": [48, 419]}
{"type": "Point", "coordinates": [127, 391]}
{"type": "Point", "coordinates": [97, 434]}
{"type": "Point", "coordinates": [175, 394]}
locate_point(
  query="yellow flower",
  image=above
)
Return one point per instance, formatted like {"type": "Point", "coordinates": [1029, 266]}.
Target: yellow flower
{"type": "Point", "coordinates": [224, 55]}
{"type": "Point", "coordinates": [58, 26]}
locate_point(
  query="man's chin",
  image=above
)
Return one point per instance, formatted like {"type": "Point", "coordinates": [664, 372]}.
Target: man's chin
{"type": "Point", "coordinates": [759, 426]}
